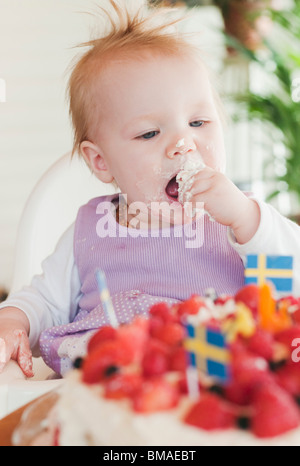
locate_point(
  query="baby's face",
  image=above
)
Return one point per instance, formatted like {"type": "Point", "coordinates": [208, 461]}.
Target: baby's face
{"type": "Point", "coordinates": [155, 113]}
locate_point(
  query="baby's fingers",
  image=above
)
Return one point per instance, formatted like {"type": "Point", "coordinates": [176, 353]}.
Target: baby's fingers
{"type": "Point", "coordinates": [3, 354]}
{"type": "Point", "coordinates": [24, 354]}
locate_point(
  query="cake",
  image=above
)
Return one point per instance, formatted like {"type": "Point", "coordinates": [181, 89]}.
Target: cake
{"type": "Point", "coordinates": [133, 387]}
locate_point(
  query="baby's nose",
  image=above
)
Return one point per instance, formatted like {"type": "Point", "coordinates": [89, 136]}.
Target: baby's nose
{"type": "Point", "coordinates": [181, 147]}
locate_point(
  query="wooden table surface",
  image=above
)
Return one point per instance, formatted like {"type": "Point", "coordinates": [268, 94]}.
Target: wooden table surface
{"type": "Point", "coordinates": [8, 425]}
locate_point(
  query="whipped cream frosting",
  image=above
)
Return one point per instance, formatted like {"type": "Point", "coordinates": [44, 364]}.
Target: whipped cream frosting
{"type": "Point", "coordinates": [87, 419]}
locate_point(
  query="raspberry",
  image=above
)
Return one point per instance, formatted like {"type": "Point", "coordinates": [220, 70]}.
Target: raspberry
{"type": "Point", "coordinates": [210, 413]}
{"type": "Point", "coordinates": [162, 311]}
{"type": "Point", "coordinates": [109, 353]}
{"type": "Point", "coordinates": [275, 412]}
{"type": "Point", "coordinates": [155, 395]}
{"type": "Point", "coordinates": [171, 333]}
{"type": "Point", "coordinates": [154, 363]}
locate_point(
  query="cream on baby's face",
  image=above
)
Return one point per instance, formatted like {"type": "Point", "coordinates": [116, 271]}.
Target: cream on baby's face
{"type": "Point", "coordinates": [155, 113]}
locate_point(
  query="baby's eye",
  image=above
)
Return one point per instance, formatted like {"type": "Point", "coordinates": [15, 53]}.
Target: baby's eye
{"type": "Point", "coordinates": [197, 123]}
{"type": "Point", "coordinates": [149, 135]}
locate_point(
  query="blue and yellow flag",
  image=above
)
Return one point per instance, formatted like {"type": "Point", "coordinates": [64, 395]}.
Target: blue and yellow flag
{"type": "Point", "coordinates": [278, 270]}
{"type": "Point", "coordinates": [207, 350]}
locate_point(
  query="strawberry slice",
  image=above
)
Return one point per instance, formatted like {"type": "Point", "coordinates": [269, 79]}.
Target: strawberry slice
{"type": "Point", "coordinates": [122, 386]}
{"type": "Point", "coordinates": [155, 395]}
{"type": "Point", "coordinates": [210, 413]}
{"type": "Point", "coordinates": [133, 337]}
{"type": "Point", "coordinates": [275, 412]}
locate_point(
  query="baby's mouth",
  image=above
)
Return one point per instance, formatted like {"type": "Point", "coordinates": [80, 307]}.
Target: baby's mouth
{"type": "Point", "coordinates": [172, 188]}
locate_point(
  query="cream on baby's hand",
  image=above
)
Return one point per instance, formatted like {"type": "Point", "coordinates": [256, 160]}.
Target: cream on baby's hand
{"type": "Point", "coordinates": [14, 341]}
{"type": "Point", "coordinates": [223, 201]}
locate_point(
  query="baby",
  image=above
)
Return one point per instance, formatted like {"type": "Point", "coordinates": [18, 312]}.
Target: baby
{"type": "Point", "coordinates": [146, 117]}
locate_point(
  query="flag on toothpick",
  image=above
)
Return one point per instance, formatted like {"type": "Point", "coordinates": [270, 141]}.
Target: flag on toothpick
{"type": "Point", "coordinates": [208, 351]}
{"type": "Point", "coordinates": [278, 270]}
{"type": "Point", "coordinates": [106, 299]}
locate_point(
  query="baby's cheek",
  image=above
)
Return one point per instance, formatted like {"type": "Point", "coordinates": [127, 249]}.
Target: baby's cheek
{"type": "Point", "coordinates": [215, 157]}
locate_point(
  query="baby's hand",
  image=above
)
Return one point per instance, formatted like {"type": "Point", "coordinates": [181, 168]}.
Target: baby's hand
{"type": "Point", "coordinates": [225, 203]}
{"type": "Point", "coordinates": [14, 344]}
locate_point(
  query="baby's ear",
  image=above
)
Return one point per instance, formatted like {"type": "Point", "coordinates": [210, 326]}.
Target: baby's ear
{"type": "Point", "coordinates": [96, 162]}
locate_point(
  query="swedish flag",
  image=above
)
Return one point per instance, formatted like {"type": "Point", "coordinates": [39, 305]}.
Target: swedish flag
{"type": "Point", "coordinates": [275, 269]}
{"type": "Point", "coordinates": [207, 350]}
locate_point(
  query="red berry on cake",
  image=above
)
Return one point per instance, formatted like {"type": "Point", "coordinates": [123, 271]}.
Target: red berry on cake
{"type": "Point", "coordinates": [261, 343]}
{"type": "Point", "coordinates": [96, 363]}
{"type": "Point", "coordinates": [103, 334]}
{"type": "Point", "coordinates": [122, 386]}
{"type": "Point", "coordinates": [155, 395]}
{"type": "Point", "coordinates": [249, 295]}
{"type": "Point", "coordinates": [210, 413]}
{"type": "Point", "coordinates": [191, 306]}
{"type": "Point", "coordinates": [274, 412]}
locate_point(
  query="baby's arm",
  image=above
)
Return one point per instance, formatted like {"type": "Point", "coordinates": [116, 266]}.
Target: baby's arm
{"type": "Point", "coordinates": [50, 300]}
{"type": "Point", "coordinates": [226, 203]}
{"type": "Point", "coordinates": [14, 341]}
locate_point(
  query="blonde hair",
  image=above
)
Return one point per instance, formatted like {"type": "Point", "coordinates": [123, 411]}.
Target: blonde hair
{"type": "Point", "coordinates": [127, 35]}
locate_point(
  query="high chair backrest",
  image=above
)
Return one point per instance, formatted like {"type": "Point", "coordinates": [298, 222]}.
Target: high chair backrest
{"type": "Point", "coordinates": [49, 211]}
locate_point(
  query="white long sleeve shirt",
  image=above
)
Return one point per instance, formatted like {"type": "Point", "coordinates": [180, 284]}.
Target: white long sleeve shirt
{"type": "Point", "coordinates": [52, 298]}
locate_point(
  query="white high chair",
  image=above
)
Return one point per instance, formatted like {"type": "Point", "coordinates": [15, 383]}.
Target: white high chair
{"type": "Point", "coordinates": [49, 211]}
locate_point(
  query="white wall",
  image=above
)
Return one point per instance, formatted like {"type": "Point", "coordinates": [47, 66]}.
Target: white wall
{"type": "Point", "coordinates": [36, 40]}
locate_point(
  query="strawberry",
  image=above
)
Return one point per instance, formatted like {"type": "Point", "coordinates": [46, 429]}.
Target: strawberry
{"type": "Point", "coordinates": [237, 393]}
{"type": "Point", "coordinates": [190, 306]}
{"type": "Point", "coordinates": [155, 325]}
{"type": "Point", "coordinates": [133, 337]}
{"type": "Point", "coordinates": [122, 386]}
{"type": "Point", "coordinates": [178, 360]}
{"type": "Point", "coordinates": [288, 377]}
{"type": "Point", "coordinates": [296, 316]}
{"type": "Point", "coordinates": [210, 413]}
{"type": "Point", "coordinates": [103, 334]}
{"type": "Point", "coordinates": [287, 337]}
{"type": "Point", "coordinates": [261, 343]}
{"type": "Point", "coordinates": [274, 412]}
{"type": "Point", "coordinates": [249, 295]}
{"type": "Point", "coordinates": [109, 353]}
{"type": "Point", "coordinates": [155, 395]}
{"type": "Point", "coordinates": [248, 369]}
